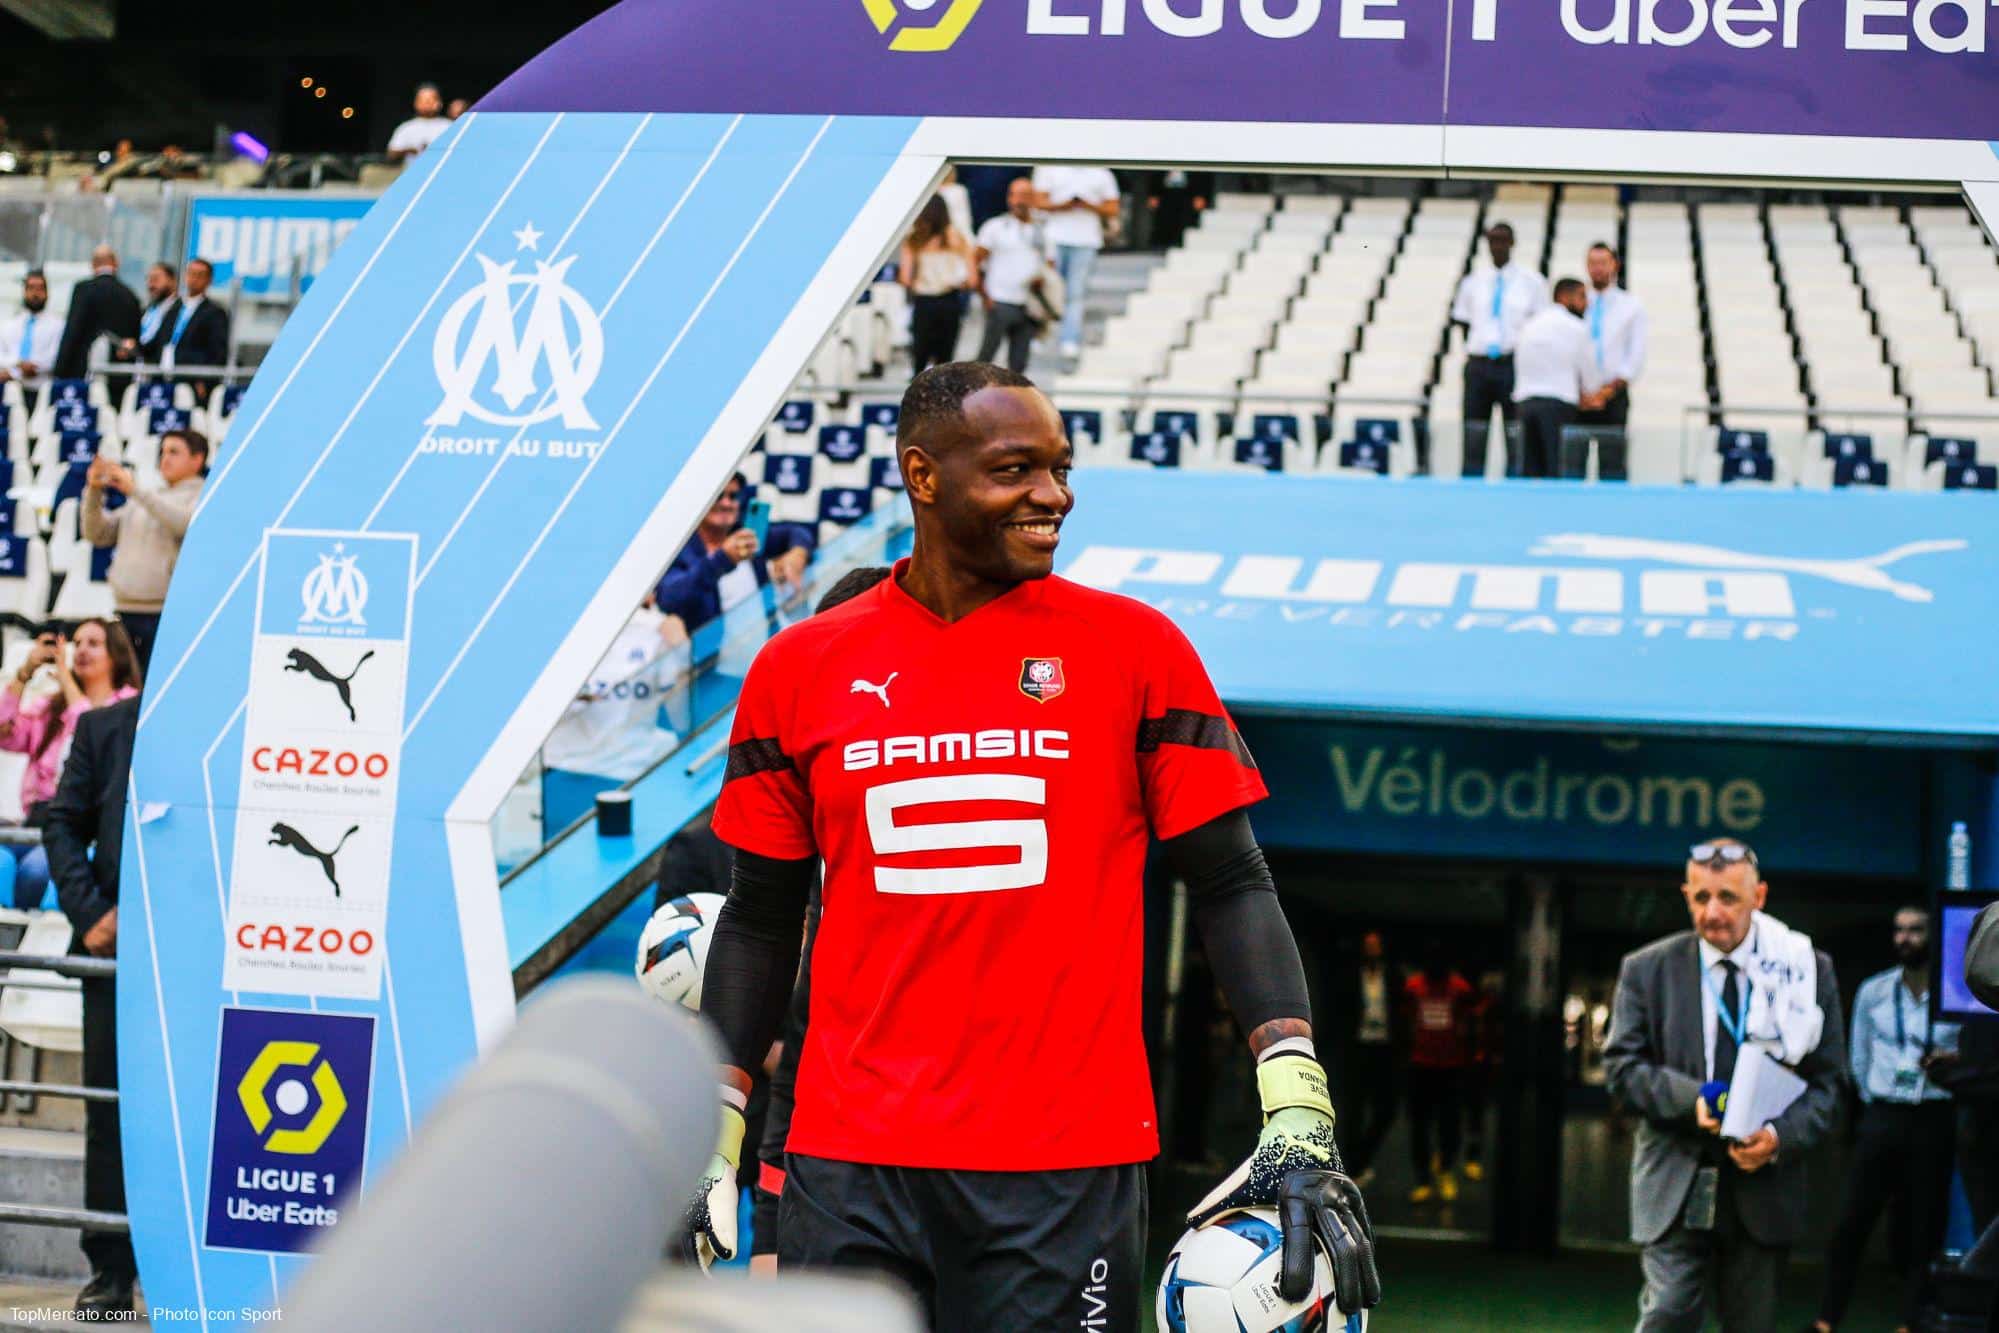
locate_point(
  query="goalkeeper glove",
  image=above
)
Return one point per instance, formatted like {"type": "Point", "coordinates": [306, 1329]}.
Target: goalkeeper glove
{"type": "Point", "coordinates": [711, 1217]}
{"type": "Point", "coordinates": [1296, 1169]}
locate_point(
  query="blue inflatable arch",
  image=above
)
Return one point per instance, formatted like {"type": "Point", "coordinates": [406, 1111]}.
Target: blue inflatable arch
{"type": "Point", "coordinates": [506, 403]}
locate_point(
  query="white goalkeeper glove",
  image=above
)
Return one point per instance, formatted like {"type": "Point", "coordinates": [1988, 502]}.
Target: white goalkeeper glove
{"type": "Point", "coordinates": [1296, 1169]}
{"type": "Point", "coordinates": [711, 1217]}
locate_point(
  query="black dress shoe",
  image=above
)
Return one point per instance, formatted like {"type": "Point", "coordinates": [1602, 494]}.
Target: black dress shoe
{"type": "Point", "coordinates": [106, 1294]}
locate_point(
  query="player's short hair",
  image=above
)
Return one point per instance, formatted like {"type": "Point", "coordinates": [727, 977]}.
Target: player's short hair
{"type": "Point", "coordinates": [1567, 285]}
{"type": "Point", "coordinates": [934, 402]}
{"type": "Point", "coordinates": [1606, 247]}
{"type": "Point", "coordinates": [851, 585]}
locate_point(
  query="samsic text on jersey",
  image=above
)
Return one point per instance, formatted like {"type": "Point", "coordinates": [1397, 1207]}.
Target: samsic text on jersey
{"type": "Point", "coordinates": [983, 793]}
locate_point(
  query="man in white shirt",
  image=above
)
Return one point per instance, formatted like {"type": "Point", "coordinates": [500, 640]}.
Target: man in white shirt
{"type": "Point", "coordinates": [1554, 371]}
{"type": "Point", "coordinates": [29, 340]}
{"type": "Point", "coordinates": [1618, 330]}
{"type": "Point", "coordinates": [1009, 261]}
{"type": "Point", "coordinates": [1493, 303]}
{"type": "Point", "coordinates": [421, 130]}
{"type": "Point", "coordinates": [1078, 202]}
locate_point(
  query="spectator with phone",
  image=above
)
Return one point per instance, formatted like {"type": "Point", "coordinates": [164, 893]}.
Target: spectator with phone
{"type": "Point", "coordinates": [147, 532]}
{"type": "Point", "coordinates": [96, 668]}
{"type": "Point", "coordinates": [725, 563]}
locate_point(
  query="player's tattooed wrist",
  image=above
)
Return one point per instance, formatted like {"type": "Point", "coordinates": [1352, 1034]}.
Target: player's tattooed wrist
{"type": "Point", "coordinates": [1278, 1029]}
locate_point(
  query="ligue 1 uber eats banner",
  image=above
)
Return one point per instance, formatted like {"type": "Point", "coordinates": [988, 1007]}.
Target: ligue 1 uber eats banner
{"type": "Point", "coordinates": [510, 394]}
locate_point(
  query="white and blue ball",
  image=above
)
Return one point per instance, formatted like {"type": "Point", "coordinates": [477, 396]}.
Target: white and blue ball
{"type": "Point", "coordinates": [1222, 1278]}
{"type": "Point", "coordinates": [673, 948]}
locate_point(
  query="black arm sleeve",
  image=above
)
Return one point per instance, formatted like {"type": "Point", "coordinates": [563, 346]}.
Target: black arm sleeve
{"type": "Point", "coordinates": [754, 956]}
{"type": "Point", "coordinates": [1248, 941]}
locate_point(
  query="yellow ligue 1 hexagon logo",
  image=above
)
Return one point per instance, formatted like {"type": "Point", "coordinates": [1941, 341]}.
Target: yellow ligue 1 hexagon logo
{"type": "Point", "coordinates": [935, 36]}
{"type": "Point", "coordinates": [254, 1088]}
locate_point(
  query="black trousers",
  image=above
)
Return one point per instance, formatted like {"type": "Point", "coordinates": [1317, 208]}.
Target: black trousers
{"type": "Point", "coordinates": [1978, 1157]}
{"type": "Point", "coordinates": [103, 1156]}
{"type": "Point", "coordinates": [934, 322]}
{"type": "Point", "coordinates": [1434, 1117]}
{"type": "Point", "coordinates": [1488, 383]}
{"type": "Point", "coordinates": [1541, 422]}
{"type": "Point", "coordinates": [1009, 321]}
{"type": "Point", "coordinates": [142, 627]}
{"type": "Point", "coordinates": [1613, 413]}
{"type": "Point", "coordinates": [1902, 1162]}
{"type": "Point", "coordinates": [1367, 1101]}
{"type": "Point", "coordinates": [999, 1250]}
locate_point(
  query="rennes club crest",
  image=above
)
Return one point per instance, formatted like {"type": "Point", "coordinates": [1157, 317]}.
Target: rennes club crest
{"type": "Point", "coordinates": [1041, 678]}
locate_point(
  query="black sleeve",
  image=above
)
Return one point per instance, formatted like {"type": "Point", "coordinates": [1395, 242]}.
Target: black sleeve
{"type": "Point", "coordinates": [70, 824]}
{"type": "Point", "coordinates": [784, 1082]}
{"type": "Point", "coordinates": [753, 959]}
{"type": "Point", "coordinates": [1248, 942]}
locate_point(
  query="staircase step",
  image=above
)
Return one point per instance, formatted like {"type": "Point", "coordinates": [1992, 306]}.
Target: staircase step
{"type": "Point", "coordinates": [41, 1166]}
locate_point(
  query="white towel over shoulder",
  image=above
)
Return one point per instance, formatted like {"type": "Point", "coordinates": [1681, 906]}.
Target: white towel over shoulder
{"type": "Point", "coordinates": [1784, 1002]}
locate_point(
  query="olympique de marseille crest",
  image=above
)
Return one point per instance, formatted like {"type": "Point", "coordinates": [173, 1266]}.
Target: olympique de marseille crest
{"type": "Point", "coordinates": [518, 348]}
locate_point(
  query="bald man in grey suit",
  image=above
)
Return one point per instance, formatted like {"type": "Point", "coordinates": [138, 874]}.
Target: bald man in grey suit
{"type": "Point", "coordinates": [1665, 1042]}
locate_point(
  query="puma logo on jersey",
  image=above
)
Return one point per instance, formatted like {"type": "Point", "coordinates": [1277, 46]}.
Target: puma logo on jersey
{"type": "Point", "coordinates": [879, 691]}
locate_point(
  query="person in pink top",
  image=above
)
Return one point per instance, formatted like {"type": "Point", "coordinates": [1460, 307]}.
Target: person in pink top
{"type": "Point", "coordinates": [97, 667]}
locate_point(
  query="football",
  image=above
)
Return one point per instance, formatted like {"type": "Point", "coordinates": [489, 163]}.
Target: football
{"type": "Point", "coordinates": [1222, 1278]}
{"type": "Point", "coordinates": [674, 948]}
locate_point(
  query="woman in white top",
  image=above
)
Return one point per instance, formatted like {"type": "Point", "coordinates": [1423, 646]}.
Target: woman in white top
{"type": "Point", "coordinates": [936, 268]}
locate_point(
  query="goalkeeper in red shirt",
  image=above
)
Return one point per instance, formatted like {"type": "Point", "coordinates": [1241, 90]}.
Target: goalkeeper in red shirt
{"type": "Point", "coordinates": [981, 753]}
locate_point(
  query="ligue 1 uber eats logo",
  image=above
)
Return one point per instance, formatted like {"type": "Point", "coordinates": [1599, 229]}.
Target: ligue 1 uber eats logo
{"type": "Point", "coordinates": [923, 30]}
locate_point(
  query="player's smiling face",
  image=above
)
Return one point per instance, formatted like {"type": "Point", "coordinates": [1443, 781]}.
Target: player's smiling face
{"type": "Point", "coordinates": [1002, 493]}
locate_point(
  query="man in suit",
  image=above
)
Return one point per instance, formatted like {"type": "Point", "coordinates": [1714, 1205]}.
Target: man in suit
{"type": "Point", "coordinates": [89, 809]}
{"type": "Point", "coordinates": [100, 306]}
{"type": "Point", "coordinates": [193, 331]}
{"type": "Point", "coordinates": [1704, 1208]}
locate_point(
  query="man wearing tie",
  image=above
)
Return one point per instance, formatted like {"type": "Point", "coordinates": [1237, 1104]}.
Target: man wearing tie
{"type": "Point", "coordinates": [1710, 1210]}
{"type": "Point", "coordinates": [1493, 303]}
{"type": "Point", "coordinates": [193, 331]}
{"type": "Point", "coordinates": [162, 282]}
{"type": "Point", "coordinates": [1618, 331]}
{"type": "Point", "coordinates": [29, 340]}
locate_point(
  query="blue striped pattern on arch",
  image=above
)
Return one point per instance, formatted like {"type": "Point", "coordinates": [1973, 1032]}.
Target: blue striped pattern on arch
{"type": "Point", "coordinates": [694, 237]}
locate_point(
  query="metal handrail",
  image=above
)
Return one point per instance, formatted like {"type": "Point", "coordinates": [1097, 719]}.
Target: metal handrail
{"type": "Point", "coordinates": [88, 1219]}
{"type": "Point", "coordinates": [63, 965]}
{"type": "Point", "coordinates": [78, 1091]}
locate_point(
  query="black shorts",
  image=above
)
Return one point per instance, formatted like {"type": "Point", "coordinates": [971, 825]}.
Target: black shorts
{"type": "Point", "coordinates": [1009, 1251]}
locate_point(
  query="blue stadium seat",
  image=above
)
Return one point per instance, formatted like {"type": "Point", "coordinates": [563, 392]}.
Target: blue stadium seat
{"type": "Point", "coordinates": [1859, 471]}
{"type": "Point", "coordinates": [1090, 424]}
{"type": "Point", "coordinates": [842, 444]}
{"type": "Point", "coordinates": [1159, 449]}
{"type": "Point", "coordinates": [160, 393]}
{"type": "Point", "coordinates": [798, 415]}
{"type": "Point", "coordinates": [790, 474]}
{"type": "Point", "coordinates": [1381, 431]}
{"type": "Point", "coordinates": [161, 420]}
{"type": "Point", "coordinates": [1185, 424]}
{"type": "Point", "coordinates": [1364, 456]}
{"type": "Point", "coordinates": [1728, 441]}
{"type": "Point", "coordinates": [885, 416]}
{"type": "Point", "coordinates": [73, 418]}
{"type": "Point", "coordinates": [72, 484]}
{"type": "Point", "coordinates": [1748, 464]}
{"type": "Point", "coordinates": [62, 392]}
{"type": "Point", "coordinates": [1261, 451]}
{"type": "Point", "coordinates": [1949, 450]}
{"type": "Point", "coordinates": [884, 474]}
{"type": "Point", "coordinates": [845, 504]}
{"type": "Point", "coordinates": [1276, 426]}
{"type": "Point", "coordinates": [232, 398]}
{"type": "Point", "coordinates": [1973, 477]}
{"type": "Point", "coordinates": [100, 562]}
{"type": "Point", "coordinates": [78, 447]}
{"type": "Point", "coordinates": [14, 556]}
{"type": "Point", "coordinates": [1842, 447]}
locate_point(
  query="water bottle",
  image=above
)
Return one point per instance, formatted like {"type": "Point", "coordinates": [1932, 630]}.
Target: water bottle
{"type": "Point", "coordinates": [1958, 874]}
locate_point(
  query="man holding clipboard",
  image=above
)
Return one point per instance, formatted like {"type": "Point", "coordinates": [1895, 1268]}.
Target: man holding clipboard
{"type": "Point", "coordinates": [1690, 1008]}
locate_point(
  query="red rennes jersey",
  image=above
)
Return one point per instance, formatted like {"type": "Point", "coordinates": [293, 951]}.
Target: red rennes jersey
{"type": "Point", "coordinates": [982, 794]}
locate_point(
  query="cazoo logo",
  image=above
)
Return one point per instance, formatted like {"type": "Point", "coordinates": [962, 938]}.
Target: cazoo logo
{"type": "Point", "coordinates": [914, 35]}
